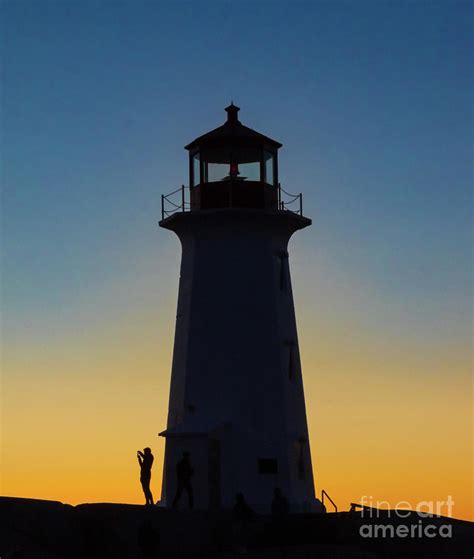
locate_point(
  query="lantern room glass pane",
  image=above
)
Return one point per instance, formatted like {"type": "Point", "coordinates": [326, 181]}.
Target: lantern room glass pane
{"type": "Point", "coordinates": [216, 172]}
{"type": "Point", "coordinates": [236, 163]}
{"type": "Point", "coordinates": [196, 178]}
{"type": "Point", "coordinates": [269, 165]}
{"type": "Point", "coordinates": [249, 171]}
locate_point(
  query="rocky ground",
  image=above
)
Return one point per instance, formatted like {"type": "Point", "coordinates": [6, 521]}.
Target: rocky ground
{"type": "Point", "coordinates": [51, 530]}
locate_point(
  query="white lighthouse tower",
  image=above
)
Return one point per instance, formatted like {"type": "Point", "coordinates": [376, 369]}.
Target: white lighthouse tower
{"type": "Point", "coordinates": [236, 399]}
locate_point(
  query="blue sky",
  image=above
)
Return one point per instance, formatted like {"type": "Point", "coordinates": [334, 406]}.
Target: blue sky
{"type": "Point", "coordinates": [371, 100]}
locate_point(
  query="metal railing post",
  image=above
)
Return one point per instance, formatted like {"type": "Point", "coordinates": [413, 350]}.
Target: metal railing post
{"type": "Point", "coordinates": [182, 195]}
{"type": "Point", "coordinates": [301, 203]}
{"type": "Point", "coordinates": [162, 207]}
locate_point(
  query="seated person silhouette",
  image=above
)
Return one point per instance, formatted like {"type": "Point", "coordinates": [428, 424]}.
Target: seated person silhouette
{"type": "Point", "coordinates": [280, 512]}
{"type": "Point", "coordinates": [148, 540]}
{"type": "Point", "coordinates": [145, 459]}
{"type": "Point", "coordinates": [242, 517]}
{"type": "Point", "coordinates": [242, 512]}
{"type": "Point", "coordinates": [280, 505]}
{"type": "Point", "coordinates": [184, 473]}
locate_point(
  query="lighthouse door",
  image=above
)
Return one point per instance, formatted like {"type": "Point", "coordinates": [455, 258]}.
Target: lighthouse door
{"type": "Point", "coordinates": [214, 470]}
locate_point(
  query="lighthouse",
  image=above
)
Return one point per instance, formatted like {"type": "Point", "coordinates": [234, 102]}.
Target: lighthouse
{"type": "Point", "coordinates": [236, 404]}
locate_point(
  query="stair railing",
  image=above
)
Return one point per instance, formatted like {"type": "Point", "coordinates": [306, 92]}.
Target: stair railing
{"type": "Point", "coordinates": [324, 494]}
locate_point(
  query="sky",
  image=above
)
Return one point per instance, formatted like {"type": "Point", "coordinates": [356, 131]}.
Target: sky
{"type": "Point", "coordinates": [373, 104]}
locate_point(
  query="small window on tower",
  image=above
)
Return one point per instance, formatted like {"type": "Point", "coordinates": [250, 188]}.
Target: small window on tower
{"type": "Point", "coordinates": [283, 270]}
{"type": "Point", "coordinates": [267, 466]}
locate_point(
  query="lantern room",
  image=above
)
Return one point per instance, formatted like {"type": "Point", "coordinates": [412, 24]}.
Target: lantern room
{"type": "Point", "coordinates": [233, 166]}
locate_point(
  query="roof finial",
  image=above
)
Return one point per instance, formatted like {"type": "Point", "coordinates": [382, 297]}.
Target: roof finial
{"type": "Point", "coordinates": [232, 111]}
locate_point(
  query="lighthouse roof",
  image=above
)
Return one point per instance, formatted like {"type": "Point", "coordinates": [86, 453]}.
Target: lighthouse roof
{"type": "Point", "coordinates": [233, 132]}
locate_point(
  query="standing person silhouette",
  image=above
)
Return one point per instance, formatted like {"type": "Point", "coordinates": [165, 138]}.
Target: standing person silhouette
{"type": "Point", "coordinates": [184, 473]}
{"type": "Point", "coordinates": [145, 459]}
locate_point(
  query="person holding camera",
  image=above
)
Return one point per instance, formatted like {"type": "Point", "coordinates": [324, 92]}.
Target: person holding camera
{"type": "Point", "coordinates": [145, 459]}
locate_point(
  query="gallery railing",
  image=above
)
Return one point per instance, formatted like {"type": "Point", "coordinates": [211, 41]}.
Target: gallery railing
{"type": "Point", "coordinates": [290, 202]}
{"type": "Point", "coordinates": [179, 201]}
{"type": "Point", "coordinates": [175, 202]}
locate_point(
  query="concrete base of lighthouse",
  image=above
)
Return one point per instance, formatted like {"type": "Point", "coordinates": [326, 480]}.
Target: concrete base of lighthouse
{"type": "Point", "coordinates": [236, 399]}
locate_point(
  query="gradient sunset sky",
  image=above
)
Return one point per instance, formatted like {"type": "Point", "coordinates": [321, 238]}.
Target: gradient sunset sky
{"type": "Point", "coordinates": [373, 103]}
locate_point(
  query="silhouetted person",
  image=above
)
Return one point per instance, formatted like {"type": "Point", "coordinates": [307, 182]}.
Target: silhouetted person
{"type": "Point", "coordinates": [184, 473]}
{"type": "Point", "coordinates": [145, 459]}
{"type": "Point", "coordinates": [241, 511]}
{"type": "Point", "coordinates": [242, 515]}
{"type": "Point", "coordinates": [148, 540]}
{"type": "Point", "coordinates": [280, 505]}
{"type": "Point", "coordinates": [280, 512]}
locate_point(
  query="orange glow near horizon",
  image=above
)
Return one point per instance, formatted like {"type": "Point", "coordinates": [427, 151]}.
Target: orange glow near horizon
{"type": "Point", "coordinates": [387, 418]}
